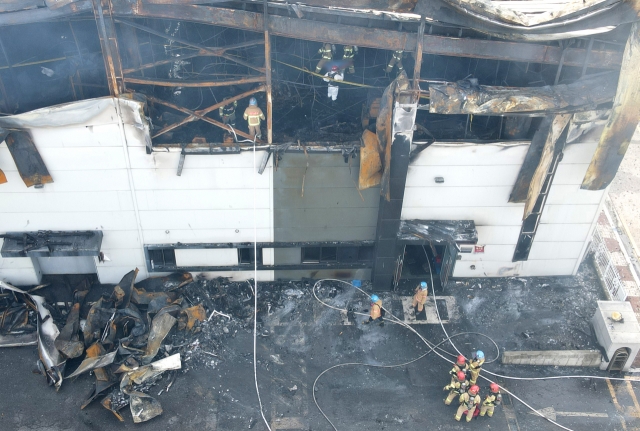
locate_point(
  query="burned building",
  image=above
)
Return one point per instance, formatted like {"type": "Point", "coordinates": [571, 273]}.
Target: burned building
{"type": "Point", "coordinates": [468, 138]}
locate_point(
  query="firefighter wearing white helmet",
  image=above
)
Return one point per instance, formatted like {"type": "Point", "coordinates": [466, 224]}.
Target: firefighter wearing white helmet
{"type": "Point", "coordinates": [468, 402]}
{"type": "Point", "coordinates": [491, 400]}
{"type": "Point", "coordinates": [420, 297]}
{"type": "Point", "coordinates": [475, 366]}
{"type": "Point", "coordinates": [253, 115]}
{"type": "Point", "coordinates": [376, 311]}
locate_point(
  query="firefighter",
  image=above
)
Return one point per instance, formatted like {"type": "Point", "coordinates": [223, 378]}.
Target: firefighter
{"type": "Point", "coordinates": [492, 400]}
{"type": "Point", "coordinates": [475, 366]}
{"type": "Point", "coordinates": [327, 51]}
{"type": "Point", "coordinates": [253, 115]}
{"type": "Point", "coordinates": [420, 298]}
{"type": "Point", "coordinates": [332, 88]}
{"type": "Point", "coordinates": [468, 402]}
{"type": "Point", "coordinates": [396, 60]}
{"type": "Point", "coordinates": [460, 365]}
{"type": "Point", "coordinates": [458, 386]}
{"type": "Point", "coordinates": [376, 311]}
{"type": "Point", "coordinates": [349, 51]}
{"type": "Point", "coordinates": [228, 113]}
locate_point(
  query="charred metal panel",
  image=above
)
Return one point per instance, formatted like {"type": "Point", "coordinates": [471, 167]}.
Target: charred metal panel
{"type": "Point", "coordinates": [552, 147]}
{"type": "Point", "coordinates": [439, 231]}
{"type": "Point", "coordinates": [623, 121]}
{"type": "Point", "coordinates": [28, 160]}
{"type": "Point", "coordinates": [465, 98]}
{"type": "Point", "coordinates": [370, 161]}
{"type": "Point", "coordinates": [51, 244]}
{"type": "Point", "coordinates": [531, 161]}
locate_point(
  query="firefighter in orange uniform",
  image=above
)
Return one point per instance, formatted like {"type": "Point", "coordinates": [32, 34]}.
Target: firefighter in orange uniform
{"type": "Point", "coordinates": [468, 402]}
{"type": "Point", "coordinates": [420, 298]}
{"type": "Point", "coordinates": [475, 366]}
{"type": "Point", "coordinates": [253, 115]}
{"type": "Point", "coordinates": [458, 386]}
{"type": "Point", "coordinates": [375, 313]}
{"type": "Point", "coordinates": [492, 400]}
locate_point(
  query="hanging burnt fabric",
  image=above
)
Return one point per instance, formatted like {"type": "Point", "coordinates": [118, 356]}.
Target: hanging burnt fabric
{"type": "Point", "coordinates": [27, 159]}
{"type": "Point", "coordinates": [370, 161]}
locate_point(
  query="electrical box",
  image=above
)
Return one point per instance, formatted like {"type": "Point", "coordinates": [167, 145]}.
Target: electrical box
{"type": "Point", "coordinates": [618, 332]}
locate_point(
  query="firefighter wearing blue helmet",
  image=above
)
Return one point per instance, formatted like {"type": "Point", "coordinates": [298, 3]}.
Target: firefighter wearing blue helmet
{"type": "Point", "coordinates": [376, 311]}
{"type": "Point", "coordinates": [420, 298]}
{"type": "Point", "coordinates": [475, 366]}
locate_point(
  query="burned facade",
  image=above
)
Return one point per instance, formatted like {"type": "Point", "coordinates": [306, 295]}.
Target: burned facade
{"type": "Point", "coordinates": [485, 152]}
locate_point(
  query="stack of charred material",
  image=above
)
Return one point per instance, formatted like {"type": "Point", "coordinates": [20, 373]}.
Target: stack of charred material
{"type": "Point", "coordinates": [118, 335]}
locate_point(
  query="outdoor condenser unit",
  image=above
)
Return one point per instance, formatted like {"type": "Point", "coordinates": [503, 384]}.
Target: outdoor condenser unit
{"type": "Point", "coordinates": [618, 332]}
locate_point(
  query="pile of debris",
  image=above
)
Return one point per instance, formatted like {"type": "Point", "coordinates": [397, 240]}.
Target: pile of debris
{"type": "Point", "coordinates": [120, 335]}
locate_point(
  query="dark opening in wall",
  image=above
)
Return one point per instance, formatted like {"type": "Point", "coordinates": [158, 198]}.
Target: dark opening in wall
{"type": "Point", "coordinates": [162, 258]}
{"type": "Point", "coordinates": [246, 256]}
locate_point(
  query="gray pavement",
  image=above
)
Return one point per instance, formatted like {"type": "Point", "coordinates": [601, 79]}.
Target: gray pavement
{"type": "Point", "coordinates": [302, 338]}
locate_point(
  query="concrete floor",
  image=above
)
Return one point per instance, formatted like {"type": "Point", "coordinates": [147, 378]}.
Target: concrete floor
{"type": "Point", "coordinates": [301, 338]}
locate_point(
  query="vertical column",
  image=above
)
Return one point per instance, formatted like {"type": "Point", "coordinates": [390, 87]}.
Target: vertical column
{"type": "Point", "coordinates": [109, 45]}
{"type": "Point", "coordinates": [418, 65]}
{"type": "Point", "coordinates": [267, 67]}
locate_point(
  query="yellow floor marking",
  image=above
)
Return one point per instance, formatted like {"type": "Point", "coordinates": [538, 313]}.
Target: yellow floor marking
{"type": "Point", "coordinates": [617, 404]}
{"type": "Point", "coordinates": [633, 394]}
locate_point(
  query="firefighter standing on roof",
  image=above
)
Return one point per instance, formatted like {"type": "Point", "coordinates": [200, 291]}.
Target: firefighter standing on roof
{"type": "Point", "coordinates": [332, 88]}
{"type": "Point", "coordinates": [327, 51]}
{"type": "Point", "coordinates": [468, 402]}
{"type": "Point", "coordinates": [396, 60]}
{"type": "Point", "coordinates": [420, 297]}
{"type": "Point", "coordinates": [375, 313]}
{"type": "Point", "coordinates": [491, 400]}
{"type": "Point", "coordinates": [228, 112]}
{"type": "Point", "coordinates": [253, 115]}
{"type": "Point", "coordinates": [349, 51]}
{"type": "Point", "coordinates": [475, 366]}
{"type": "Point", "coordinates": [458, 386]}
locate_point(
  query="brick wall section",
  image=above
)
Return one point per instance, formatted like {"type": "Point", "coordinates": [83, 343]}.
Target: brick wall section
{"type": "Point", "coordinates": [562, 358]}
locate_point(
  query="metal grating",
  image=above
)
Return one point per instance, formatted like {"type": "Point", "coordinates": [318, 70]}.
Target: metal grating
{"type": "Point", "coordinates": [606, 267]}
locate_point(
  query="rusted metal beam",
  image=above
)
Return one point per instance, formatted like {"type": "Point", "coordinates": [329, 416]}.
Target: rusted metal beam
{"type": "Point", "coordinates": [372, 37]}
{"type": "Point", "coordinates": [465, 98]}
{"type": "Point", "coordinates": [267, 67]}
{"type": "Point", "coordinates": [28, 160]}
{"type": "Point", "coordinates": [207, 110]}
{"type": "Point", "coordinates": [212, 51]}
{"type": "Point", "coordinates": [418, 65]}
{"type": "Point", "coordinates": [199, 53]}
{"type": "Point", "coordinates": [622, 122]}
{"type": "Point", "coordinates": [109, 45]}
{"type": "Point", "coordinates": [200, 117]}
{"type": "Point", "coordinates": [44, 13]}
{"type": "Point", "coordinates": [179, 83]}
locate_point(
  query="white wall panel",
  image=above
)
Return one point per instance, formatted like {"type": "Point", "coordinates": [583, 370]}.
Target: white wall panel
{"type": "Point", "coordinates": [568, 214]}
{"type": "Point", "coordinates": [207, 257]}
{"type": "Point", "coordinates": [531, 268]}
{"type": "Point", "coordinates": [563, 232]}
{"type": "Point", "coordinates": [163, 159]}
{"type": "Point", "coordinates": [573, 195]}
{"type": "Point", "coordinates": [107, 135]}
{"type": "Point", "coordinates": [6, 161]}
{"type": "Point", "coordinates": [498, 234]}
{"type": "Point", "coordinates": [486, 216]}
{"type": "Point", "coordinates": [205, 219]}
{"type": "Point", "coordinates": [198, 179]}
{"type": "Point", "coordinates": [20, 276]}
{"type": "Point", "coordinates": [554, 250]}
{"type": "Point", "coordinates": [495, 252]}
{"type": "Point", "coordinates": [72, 202]}
{"type": "Point", "coordinates": [71, 181]}
{"type": "Point", "coordinates": [133, 257]}
{"type": "Point", "coordinates": [163, 200]}
{"type": "Point", "coordinates": [469, 196]}
{"type": "Point", "coordinates": [113, 239]}
{"type": "Point", "coordinates": [461, 176]}
{"type": "Point", "coordinates": [82, 158]}
{"type": "Point", "coordinates": [440, 154]}
{"type": "Point", "coordinates": [580, 153]}
{"type": "Point", "coordinates": [104, 220]}
{"type": "Point", "coordinates": [568, 173]}
{"type": "Point", "coordinates": [245, 234]}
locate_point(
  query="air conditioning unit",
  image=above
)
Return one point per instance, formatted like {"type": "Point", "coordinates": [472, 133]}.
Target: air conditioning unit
{"type": "Point", "coordinates": [618, 332]}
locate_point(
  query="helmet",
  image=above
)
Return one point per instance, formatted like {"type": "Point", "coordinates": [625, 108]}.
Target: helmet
{"type": "Point", "coordinates": [461, 376]}
{"type": "Point", "coordinates": [480, 354]}
{"type": "Point", "coordinates": [461, 360]}
{"type": "Point", "coordinates": [473, 390]}
{"type": "Point", "coordinates": [494, 387]}
{"type": "Point", "coordinates": [423, 285]}
{"type": "Point", "coordinates": [253, 101]}
{"type": "Point", "coordinates": [334, 68]}
{"type": "Point", "coordinates": [375, 298]}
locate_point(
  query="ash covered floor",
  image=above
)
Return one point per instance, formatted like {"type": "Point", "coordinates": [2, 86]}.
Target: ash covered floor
{"type": "Point", "coordinates": [299, 338]}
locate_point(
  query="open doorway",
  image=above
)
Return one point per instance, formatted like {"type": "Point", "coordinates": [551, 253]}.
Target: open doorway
{"type": "Point", "coordinates": [420, 262]}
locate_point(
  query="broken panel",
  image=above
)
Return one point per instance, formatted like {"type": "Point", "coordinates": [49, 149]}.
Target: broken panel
{"type": "Point", "coordinates": [28, 160]}
{"type": "Point", "coordinates": [51, 243]}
